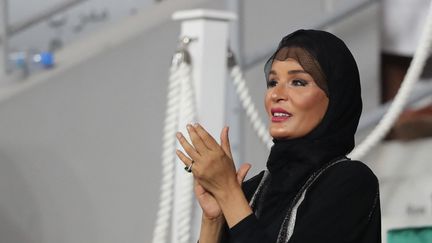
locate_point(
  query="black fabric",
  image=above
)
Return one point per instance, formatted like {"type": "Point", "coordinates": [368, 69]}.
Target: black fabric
{"type": "Point", "coordinates": [345, 209]}
{"type": "Point", "coordinates": [343, 206]}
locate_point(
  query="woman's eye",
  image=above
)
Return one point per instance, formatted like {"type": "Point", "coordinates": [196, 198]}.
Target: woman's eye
{"type": "Point", "coordinates": [271, 83]}
{"type": "Point", "coordinates": [299, 82]}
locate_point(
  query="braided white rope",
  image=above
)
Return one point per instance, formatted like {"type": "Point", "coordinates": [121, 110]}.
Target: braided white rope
{"type": "Point", "coordinates": [251, 111]}
{"type": "Point", "coordinates": [177, 73]}
{"type": "Point", "coordinates": [414, 71]}
{"type": "Point", "coordinates": [184, 204]}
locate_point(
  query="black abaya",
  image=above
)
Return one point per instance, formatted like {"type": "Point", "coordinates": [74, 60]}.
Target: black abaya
{"type": "Point", "coordinates": [342, 206]}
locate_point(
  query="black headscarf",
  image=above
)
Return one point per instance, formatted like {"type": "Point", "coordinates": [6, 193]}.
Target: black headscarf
{"type": "Point", "coordinates": [291, 161]}
{"type": "Point", "coordinates": [334, 136]}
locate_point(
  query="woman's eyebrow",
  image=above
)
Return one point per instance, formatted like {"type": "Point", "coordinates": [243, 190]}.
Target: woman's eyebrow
{"type": "Point", "coordinates": [289, 72]}
{"type": "Point", "coordinates": [297, 71]}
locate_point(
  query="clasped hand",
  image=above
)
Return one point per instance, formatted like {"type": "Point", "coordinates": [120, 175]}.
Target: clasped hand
{"type": "Point", "coordinates": [213, 169]}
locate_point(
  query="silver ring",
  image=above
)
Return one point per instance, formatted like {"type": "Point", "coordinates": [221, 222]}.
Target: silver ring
{"type": "Point", "coordinates": [189, 168]}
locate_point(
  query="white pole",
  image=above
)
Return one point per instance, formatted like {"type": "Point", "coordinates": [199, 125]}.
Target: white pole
{"type": "Point", "coordinates": [208, 51]}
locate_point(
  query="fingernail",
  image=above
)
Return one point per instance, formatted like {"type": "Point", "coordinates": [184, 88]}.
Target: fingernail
{"type": "Point", "coordinates": [188, 127]}
{"type": "Point", "coordinates": [178, 135]}
{"type": "Point", "coordinates": [196, 124]}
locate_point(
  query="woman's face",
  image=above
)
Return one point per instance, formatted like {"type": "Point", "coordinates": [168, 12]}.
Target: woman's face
{"type": "Point", "coordinates": [293, 101]}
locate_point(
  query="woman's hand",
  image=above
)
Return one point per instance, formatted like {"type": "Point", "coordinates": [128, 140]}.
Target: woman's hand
{"type": "Point", "coordinates": [207, 201]}
{"type": "Point", "coordinates": [214, 170]}
{"type": "Point", "coordinates": [213, 166]}
{"type": "Point", "coordinates": [211, 209]}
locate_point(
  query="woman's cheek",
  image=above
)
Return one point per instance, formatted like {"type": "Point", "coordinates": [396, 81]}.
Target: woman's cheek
{"type": "Point", "coordinates": [309, 100]}
{"type": "Point", "coordinates": [303, 102]}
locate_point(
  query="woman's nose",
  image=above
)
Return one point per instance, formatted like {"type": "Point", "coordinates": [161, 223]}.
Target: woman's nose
{"type": "Point", "coordinates": [279, 94]}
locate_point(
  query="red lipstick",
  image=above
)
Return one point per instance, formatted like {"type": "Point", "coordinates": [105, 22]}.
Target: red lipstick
{"type": "Point", "coordinates": [280, 115]}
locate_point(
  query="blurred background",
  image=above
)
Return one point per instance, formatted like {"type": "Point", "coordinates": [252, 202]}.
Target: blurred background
{"type": "Point", "coordinates": [83, 88]}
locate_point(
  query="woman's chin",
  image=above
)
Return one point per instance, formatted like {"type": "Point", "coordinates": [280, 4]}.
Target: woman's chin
{"type": "Point", "coordinates": [280, 134]}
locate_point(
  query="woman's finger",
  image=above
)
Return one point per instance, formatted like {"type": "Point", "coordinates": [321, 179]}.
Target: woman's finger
{"type": "Point", "coordinates": [199, 190]}
{"type": "Point", "coordinates": [225, 143]}
{"type": "Point", "coordinates": [242, 172]}
{"type": "Point", "coordinates": [189, 149]}
{"type": "Point", "coordinates": [189, 163]}
{"type": "Point", "coordinates": [208, 140]}
{"type": "Point", "coordinates": [196, 140]}
{"type": "Point", "coordinates": [186, 160]}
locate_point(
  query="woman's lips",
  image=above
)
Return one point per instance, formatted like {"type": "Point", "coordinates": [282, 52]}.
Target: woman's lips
{"type": "Point", "coordinates": [279, 115]}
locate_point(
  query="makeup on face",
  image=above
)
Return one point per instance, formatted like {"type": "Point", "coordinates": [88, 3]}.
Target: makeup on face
{"type": "Point", "coordinates": [294, 102]}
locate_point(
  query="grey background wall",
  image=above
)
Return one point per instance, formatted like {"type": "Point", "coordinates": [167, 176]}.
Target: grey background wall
{"type": "Point", "coordinates": [80, 149]}
{"type": "Point", "coordinates": [71, 24]}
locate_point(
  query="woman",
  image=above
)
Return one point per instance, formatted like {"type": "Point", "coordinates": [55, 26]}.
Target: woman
{"type": "Point", "coordinates": [310, 192]}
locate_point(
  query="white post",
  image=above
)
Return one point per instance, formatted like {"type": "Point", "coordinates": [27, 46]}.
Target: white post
{"type": "Point", "coordinates": [208, 51]}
